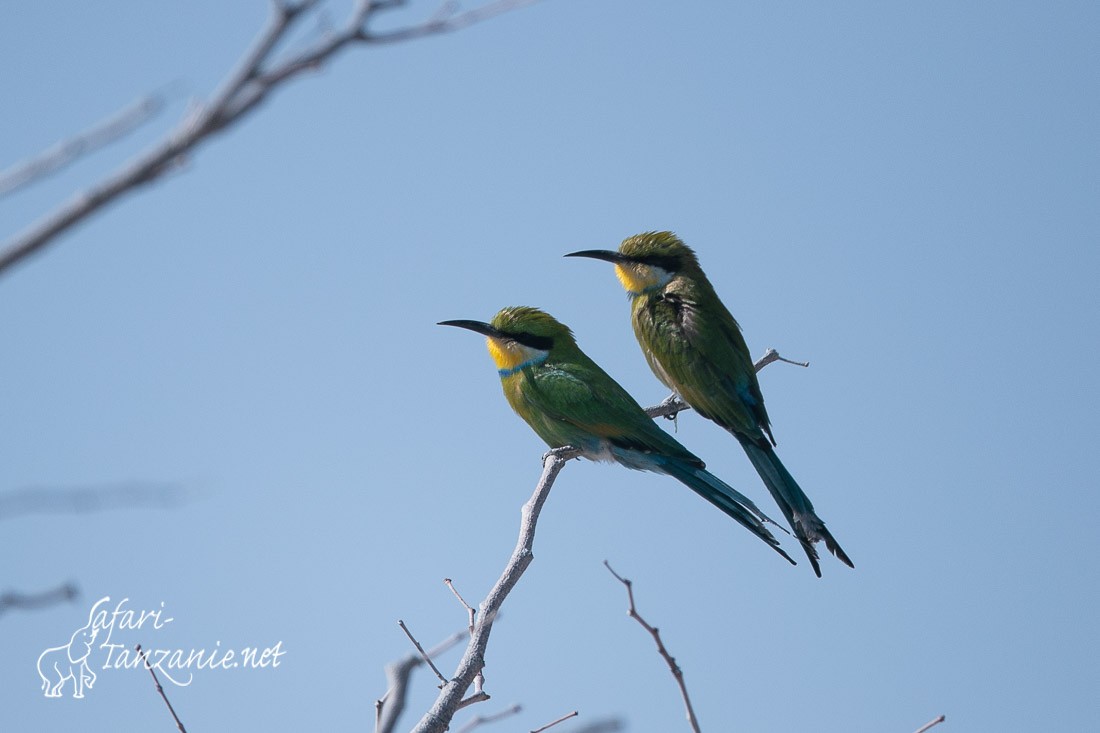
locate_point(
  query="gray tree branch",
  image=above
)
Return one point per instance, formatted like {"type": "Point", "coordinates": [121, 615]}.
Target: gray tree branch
{"type": "Point", "coordinates": [81, 499]}
{"type": "Point", "coordinates": [255, 77]}
{"type": "Point", "coordinates": [673, 405]}
{"type": "Point", "coordinates": [450, 698]}
{"type": "Point", "coordinates": [677, 673]}
{"type": "Point", "coordinates": [10, 600]}
{"type": "Point", "coordinates": [931, 723]}
{"type": "Point", "coordinates": [65, 152]}
{"type": "Point", "coordinates": [389, 707]}
{"type": "Point", "coordinates": [480, 720]}
{"type": "Point", "coordinates": [160, 689]}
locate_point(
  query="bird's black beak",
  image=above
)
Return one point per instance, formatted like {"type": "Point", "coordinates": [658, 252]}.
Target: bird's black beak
{"type": "Point", "coordinates": [476, 326]}
{"type": "Point", "coordinates": [601, 254]}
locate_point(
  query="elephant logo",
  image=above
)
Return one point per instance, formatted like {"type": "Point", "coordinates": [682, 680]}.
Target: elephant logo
{"type": "Point", "coordinates": [59, 664]}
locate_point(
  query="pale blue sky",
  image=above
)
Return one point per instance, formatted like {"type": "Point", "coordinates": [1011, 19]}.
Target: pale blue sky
{"type": "Point", "coordinates": [903, 194]}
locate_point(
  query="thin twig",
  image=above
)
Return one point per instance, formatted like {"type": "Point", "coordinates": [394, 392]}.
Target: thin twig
{"type": "Point", "coordinates": [772, 355]}
{"type": "Point", "coordinates": [602, 726]}
{"type": "Point", "coordinates": [448, 24]}
{"type": "Point", "coordinates": [474, 698]}
{"type": "Point", "coordinates": [100, 135]}
{"type": "Point", "coordinates": [160, 689]}
{"type": "Point", "coordinates": [10, 600]}
{"type": "Point", "coordinates": [551, 724]}
{"type": "Point", "coordinates": [249, 84]}
{"type": "Point", "coordinates": [672, 405]}
{"type": "Point", "coordinates": [469, 609]}
{"type": "Point", "coordinates": [931, 723]}
{"type": "Point", "coordinates": [482, 719]}
{"type": "Point", "coordinates": [423, 654]}
{"type": "Point", "coordinates": [388, 708]}
{"type": "Point", "coordinates": [438, 718]}
{"type": "Point", "coordinates": [450, 699]}
{"type": "Point", "coordinates": [80, 499]}
{"type": "Point", "coordinates": [479, 694]}
{"type": "Point", "coordinates": [669, 660]}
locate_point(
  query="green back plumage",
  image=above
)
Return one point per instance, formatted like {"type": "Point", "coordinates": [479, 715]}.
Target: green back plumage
{"type": "Point", "coordinates": [569, 400]}
{"type": "Point", "coordinates": [691, 340]}
{"type": "Point", "coordinates": [694, 345]}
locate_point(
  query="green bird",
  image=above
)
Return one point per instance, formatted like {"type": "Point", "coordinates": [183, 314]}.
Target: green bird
{"type": "Point", "coordinates": [695, 347]}
{"type": "Point", "coordinates": [568, 400]}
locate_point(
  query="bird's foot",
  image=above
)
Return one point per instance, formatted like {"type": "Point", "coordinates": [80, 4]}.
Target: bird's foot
{"type": "Point", "coordinates": [564, 452]}
{"type": "Point", "coordinates": [671, 407]}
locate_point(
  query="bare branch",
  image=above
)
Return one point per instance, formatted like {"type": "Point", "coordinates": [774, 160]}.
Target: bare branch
{"type": "Point", "coordinates": [772, 355]}
{"type": "Point", "coordinates": [474, 698]}
{"type": "Point", "coordinates": [248, 85]}
{"type": "Point", "coordinates": [672, 405]}
{"type": "Point", "coordinates": [669, 407]}
{"type": "Point", "coordinates": [479, 678]}
{"type": "Point", "coordinates": [931, 724]}
{"type": "Point", "coordinates": [80, 499]}
{"type": "Point", "coordinates": [65, 152]}
{"type": "Point", "coordinates": [438, 718]}
{"type": "Point", "coordinates": [482, 719]}
{"type": "Point", "coordinates": [423, 654]}
{"type": "Point", "coordinates": [450, 699]}
{"type": "Point", "coordinates": [551, 724]}
{"type": "Point", "coordinates": [469, 609]}
{"type": "Point", "coordinates": [388, 708]}
{"type": "Point", "coordinates": [160, 689]}
{"type": "Point", "coordinates": [10, 600]}
{"type": "Point", "coordinates": [447, 24]}
{"type": "Point", "coordinates": [669, 660]}
{"type": "Point", "coordinates": [602, 726]}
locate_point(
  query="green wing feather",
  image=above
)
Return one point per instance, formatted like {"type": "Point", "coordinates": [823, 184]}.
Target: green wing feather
{"type": "Point", "coordinates": [567, 403]}
{"type": "Point", "coordinates": [704, 358]}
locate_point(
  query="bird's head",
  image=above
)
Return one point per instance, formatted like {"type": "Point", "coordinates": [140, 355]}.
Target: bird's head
{"type": "Point", "coordinates": [519, 337]}
{"type": "Point", "coordinates": [646, 262]}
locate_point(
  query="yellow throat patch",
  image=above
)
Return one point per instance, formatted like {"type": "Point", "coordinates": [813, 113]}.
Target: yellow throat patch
{"type": "Point", "coordinates": [509, 355]}
{"type": "Point", "coordinates": [637, 278]}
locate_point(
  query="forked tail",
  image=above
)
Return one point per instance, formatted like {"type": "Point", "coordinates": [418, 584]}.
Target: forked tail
{"type": "Point", "coordinates": [793, 502]}
{"type": "Point", "coordinates": [730, 501]}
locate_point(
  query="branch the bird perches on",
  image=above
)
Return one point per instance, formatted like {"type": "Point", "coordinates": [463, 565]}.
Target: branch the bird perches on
{"type": "Point", "coordinates": [451, 695]}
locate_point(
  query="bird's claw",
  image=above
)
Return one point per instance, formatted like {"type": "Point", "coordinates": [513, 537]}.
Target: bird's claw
{"type": "Point", "coordinates": [672, 399]}
{"type": "Point", "coordinates": [558, 452]}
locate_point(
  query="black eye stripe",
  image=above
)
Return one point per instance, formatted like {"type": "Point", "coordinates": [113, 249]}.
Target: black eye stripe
{"type": "Point", "coordinates": [542, 343]}
{"type": "Point", "coordinates": [669, 263]}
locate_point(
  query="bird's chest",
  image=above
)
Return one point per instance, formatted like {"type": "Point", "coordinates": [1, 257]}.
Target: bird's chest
{"type": "Point", "coordinates": [660, 323]}
{"type": "Point", "coordinates": [661, 320]}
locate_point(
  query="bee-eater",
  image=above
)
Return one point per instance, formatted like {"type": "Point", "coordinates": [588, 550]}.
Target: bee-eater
{"type": "Point", "coordinates": [695, 347]}
{"type": "Point", "coordinates": [568, 400]}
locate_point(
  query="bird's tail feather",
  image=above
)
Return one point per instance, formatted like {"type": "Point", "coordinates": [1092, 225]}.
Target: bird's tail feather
{"type": "Point", "coordinates": [793, 502]}
{"type": "Point", "coordinates": [730, 501]}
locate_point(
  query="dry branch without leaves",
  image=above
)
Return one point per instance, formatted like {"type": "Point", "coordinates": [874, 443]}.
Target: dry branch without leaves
{"type": "Point", "coordinates": [259, 73]}
{"type": "Point", "coordinates": [552, 723]}
{"type": "Point", "coordinates": [677, 673]}
{"type": "Point", "coordinates": [479, 720]}
{"type": "Point", "coordinates": [388, 708]}
{"type": "Point", "coordinates": [423, 654]}
{"type": "Point", "coordinates": [673, 405]}
{"type": "Point", "coordinates": [160, 689]}
{"type": "Point", "coordinates": [931, 723]}
{"type": "Point", "coordinates": [450, 699]}
{"type": "Point", "coordinates": [81, 499]}
{"type": "Point", "coordinates": [117, 126]}
{"type": "Point", "coordinates": [11, 600]}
